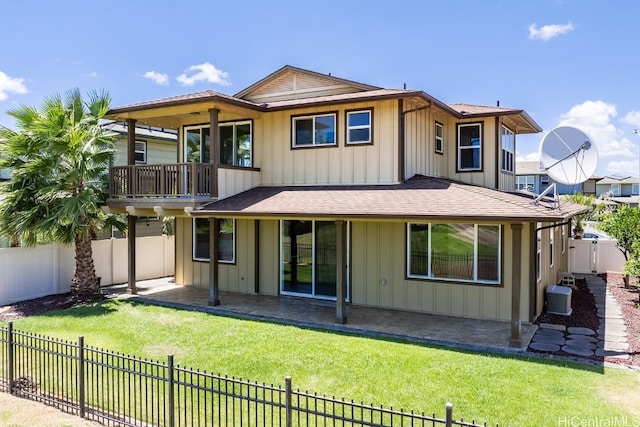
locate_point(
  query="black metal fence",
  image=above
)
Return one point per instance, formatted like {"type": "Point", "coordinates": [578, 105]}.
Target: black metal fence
{"type": "Point", "coordinates": [120, 390]}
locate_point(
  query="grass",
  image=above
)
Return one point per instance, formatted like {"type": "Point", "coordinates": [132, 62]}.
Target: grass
{"type": "Point", "coordinates": [500, 389]}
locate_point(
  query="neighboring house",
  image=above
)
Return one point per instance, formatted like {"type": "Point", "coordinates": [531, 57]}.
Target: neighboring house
{"type": "Point", "coordinates": [619, 190]}
{"type": "Point", "coordinates": [531, 177]}
{"type": "Point", "coordinates": [153, 145]}
{"type": "Point", "coordinates": [326, 188]}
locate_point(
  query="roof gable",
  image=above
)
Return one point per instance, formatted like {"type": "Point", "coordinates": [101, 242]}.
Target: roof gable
{"type": "Point", "coordinates": [289, 83]}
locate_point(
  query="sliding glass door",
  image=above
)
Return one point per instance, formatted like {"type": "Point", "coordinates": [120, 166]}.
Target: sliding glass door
{"type": "Point", "coordinates": [308, 258]}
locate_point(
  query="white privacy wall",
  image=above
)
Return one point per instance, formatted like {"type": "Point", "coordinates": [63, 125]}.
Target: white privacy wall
{"type": "Point", "coordinates": [27, 273]}
{"type": "Point", "coordinates": [595, 256]}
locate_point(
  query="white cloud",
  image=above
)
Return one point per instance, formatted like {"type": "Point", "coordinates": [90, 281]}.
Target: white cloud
{"type": "Point", "coordinates": [531, 157]}
{"type": "Point", "coordinates": [93, 74]}
{"type": "Point", "coordinates": [632, 118]}
{"type": "Point", "coordinates": [547, 32]}
{"type": "Point", "coordinates": [622, 167]}
{"type": "Point", "coordinates": [205, 72]}
{"type": "Point", "coordinates": [10, 85]}
{"type": "Point", "coordinates": [594, 118]}
{"type": "Point", "coordinates": [158, 78]}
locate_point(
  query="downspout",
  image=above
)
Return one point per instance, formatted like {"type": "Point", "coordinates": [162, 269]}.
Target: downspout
{"type": "Point", "coordinates": [402, 134]}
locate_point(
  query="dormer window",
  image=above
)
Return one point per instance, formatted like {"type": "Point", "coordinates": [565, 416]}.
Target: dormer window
{"type": "Point", "coordinates": [469, 147]}
{"type": "Point", "coordinates": [313, 131]}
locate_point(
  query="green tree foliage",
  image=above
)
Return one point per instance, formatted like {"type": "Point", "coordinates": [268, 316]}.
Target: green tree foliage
{"type": "Point", "coordinates": [624, 225]}
{"type": "Point", "coordinates": [587, 200]}
{"type": "Point", "coordinates": [60, 158]}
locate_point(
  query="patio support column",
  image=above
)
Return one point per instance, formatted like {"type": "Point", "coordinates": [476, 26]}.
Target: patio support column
{"type": "Point", "coordinates": [341, 271]}
{"type": "Point", "coordinates": [516, 273]}
{"type": "Point", "coordinates": [214, 151]}
{"type": "Point", "coordinates": [214, 266]}
{"type": "Point", "coordinates": [131, 220]}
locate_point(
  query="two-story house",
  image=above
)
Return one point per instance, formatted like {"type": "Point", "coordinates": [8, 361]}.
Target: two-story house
{"type": "Point", "coordinates": [313, 186]}
{"type": "Point", "coordinates": [621, 190]}
{"type": "Point", "coordinates": [531, 177]}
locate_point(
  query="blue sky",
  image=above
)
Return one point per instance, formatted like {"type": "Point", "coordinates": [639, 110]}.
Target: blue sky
{"type": "Point", "coordinates": [572, 62]}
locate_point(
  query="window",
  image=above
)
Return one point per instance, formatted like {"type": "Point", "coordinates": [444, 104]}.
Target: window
{"type": "Point", "coordinates": [470, 147]}
{"type": "Point", "coordinates": [141, 152]}
{"type": "Point", "coordinates": [309, 131]}
{"type": "Point", "coordinates": [359, 127]}
{"type": "Point", "coordinates": [508, 149]}
{"type": "Point", "coordinates": [461, 252]}
{"type": "Point", "coordinates": [526, 183]}
{"type": "Point", "coordinates": [236, 143]}
{"type": "Point", "coordinates": [544, 180]}
{"type": "Point", "coordinates": [634, 188]}
{"type": "Point", "coordinates": [615, 189]}
{"type": "Point", "coordinates": [226, 240]}
{"type": "Point", "coordinates": [439, 138]}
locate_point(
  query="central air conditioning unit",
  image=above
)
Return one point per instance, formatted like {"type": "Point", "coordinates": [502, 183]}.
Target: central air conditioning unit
{"type": "Point", "coordinates": [559, 300]}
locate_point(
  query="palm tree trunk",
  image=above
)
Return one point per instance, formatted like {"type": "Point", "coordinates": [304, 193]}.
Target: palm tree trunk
{"type": "Point", "coordinates": [85, 281]}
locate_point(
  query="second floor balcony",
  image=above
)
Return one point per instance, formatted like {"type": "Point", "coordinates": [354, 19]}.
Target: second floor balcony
{"type": "Point", "coordinates": [176, 185]}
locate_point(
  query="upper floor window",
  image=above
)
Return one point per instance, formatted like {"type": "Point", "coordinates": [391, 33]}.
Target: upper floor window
{"type": "Point", "coordinates": [470, 147]}
{"type": "Point", "coordinates": [439, 143]}
{"type": "Point", "coordinates": [615, 189]}
{"type": "Point", "coordinates": [235, 144]}
{"type": "Point", "coordinates": [526, 183]}
{"type": "Point", "coordinates": [359, 127]}
{"type": "Point", "coordinates": [141, 152]}
{"type": "Point", "coordinates": [508, 149]}
{"type": "Point", "coordinates": [318, 130]}
{"type": "Point", "coordinates": [634, 188]}
{"type": "Point", "coordinates": [461, 252]}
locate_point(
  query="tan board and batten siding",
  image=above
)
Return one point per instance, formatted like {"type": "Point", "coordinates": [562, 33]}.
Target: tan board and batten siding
{"type": "Point", "coordinates": [158, 151]}
{"type": "Point", "coordinates": [377, 249]}
{"type": "Point", "coordinates": [377, 271]}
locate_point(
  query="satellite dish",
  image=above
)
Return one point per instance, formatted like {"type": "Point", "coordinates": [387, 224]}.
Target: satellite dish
{"type": "Point", "coordinates": [568, 155]}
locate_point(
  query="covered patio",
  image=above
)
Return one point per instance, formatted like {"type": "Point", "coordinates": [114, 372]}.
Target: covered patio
{"type": "Point", "coordinates": [450, 331]}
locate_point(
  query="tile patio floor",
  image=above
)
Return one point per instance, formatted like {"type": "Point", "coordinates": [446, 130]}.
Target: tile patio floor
{"type": "Point", "coordinates": [419, 327]}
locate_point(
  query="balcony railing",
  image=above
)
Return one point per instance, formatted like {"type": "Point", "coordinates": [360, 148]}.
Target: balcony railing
{"type": "Point", "coordinates": [161, 180]}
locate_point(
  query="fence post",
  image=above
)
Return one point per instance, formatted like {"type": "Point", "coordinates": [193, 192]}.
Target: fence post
{"type": "Point", "coordinates": [170, 393]}
{"type": "Point", "coordinates": [81, 397]}
{"type": "Point", "coordinates": [10, 356]}
{"type": "Point", "coordinates": [287, 399]}
{"type": "Point", "coordinates": [449, 414]}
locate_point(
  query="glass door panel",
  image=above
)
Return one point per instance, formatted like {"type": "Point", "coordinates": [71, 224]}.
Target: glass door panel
{"type": "Point", "coordinates": [297, 256]}
{"type": "Point", "coordinates": [325, 258]}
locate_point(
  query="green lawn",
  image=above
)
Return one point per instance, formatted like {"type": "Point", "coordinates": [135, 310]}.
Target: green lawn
{"type": "Point", "coordinates": [508, 390]}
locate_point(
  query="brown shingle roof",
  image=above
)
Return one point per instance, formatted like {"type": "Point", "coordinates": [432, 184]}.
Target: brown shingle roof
{"type": "Point", "coordinates": [419, 198]}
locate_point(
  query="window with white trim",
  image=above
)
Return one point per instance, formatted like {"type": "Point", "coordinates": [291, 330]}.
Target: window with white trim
{"type": "Point", "coordinates": [525, 183]}
{"type": "Point", "coordinates": [359, 127]}
{"type": "Point", "coordinates": [313, 131]}
{"type": "Point", "coordinates": [634, 189]}
{"type": "Point", "coordinates": [226, 240]}
{"type": "Point", "coordinates": [141, 152]}
{"type": "Point", "coordinates": [470, 147]}
{"type": "Point", "coordinates": [615, 189]}
{"type": "Point", "coordinates": [459, 252]}
{"type": "Point", "coordinates": [439, 135]}
{"type": "Point", "coordinates": [508, 139]}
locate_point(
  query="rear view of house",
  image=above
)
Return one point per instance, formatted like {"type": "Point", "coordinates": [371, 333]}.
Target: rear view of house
{"type": "Point", "coordinates": [312, 186]}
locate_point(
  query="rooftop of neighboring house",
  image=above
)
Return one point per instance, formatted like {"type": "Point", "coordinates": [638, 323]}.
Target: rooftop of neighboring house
{"type": "Point", "coordinates": [143, 131]}
{"type": "Point", "coordinates": [529, 168]}
{"type": "Point", "coordinates": [617, 180]}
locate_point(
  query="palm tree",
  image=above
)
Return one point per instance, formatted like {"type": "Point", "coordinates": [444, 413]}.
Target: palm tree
{"type": "Point", "coordinates": [60, 158]}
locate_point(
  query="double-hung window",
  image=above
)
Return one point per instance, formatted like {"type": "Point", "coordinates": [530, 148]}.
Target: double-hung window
{"type": "Point", "coordinates": [226, 240]}
{"type": "Point", "coordinates": [525, 182]}
{"type": "Point", "coordinates": [508, 149]}
{"type": "Point", "coordinates": [460, 252]}
{"type": "Point", "coordinates": [316, 130]}
{"type": "Point", "coordinates": [439, 138]}
{"type": "Point", "coordinates": [141, 152]}
{"type": "Point", "coordinates": [359, 127]}
{"type": "Point", "coordinates": [615, 189]}
{"type": "Point", "coordinates": [469, 147]}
